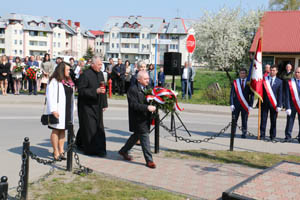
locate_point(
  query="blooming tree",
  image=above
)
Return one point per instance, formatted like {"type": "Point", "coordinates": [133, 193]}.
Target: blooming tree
{"type": "Point", "coordinates": [224, 38]}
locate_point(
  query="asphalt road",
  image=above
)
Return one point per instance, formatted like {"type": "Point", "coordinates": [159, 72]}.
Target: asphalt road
{"type": "Point", "coordinates": [20, 118]}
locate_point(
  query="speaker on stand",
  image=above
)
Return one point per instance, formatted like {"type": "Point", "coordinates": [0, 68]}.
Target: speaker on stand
{"type": "Point", "coordinates": [172, 65]}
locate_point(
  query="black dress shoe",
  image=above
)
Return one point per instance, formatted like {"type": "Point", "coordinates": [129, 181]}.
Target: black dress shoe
{"type": "Point", "coordinates": [287, 140]}
{"type": "Point", "coordinates": [243, 136]}
{"type": "Point", "coordinates": [262, 137]}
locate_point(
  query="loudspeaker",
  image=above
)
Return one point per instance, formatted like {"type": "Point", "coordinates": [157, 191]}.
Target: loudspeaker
{"type": "Point", "coordinates": [172, 63]}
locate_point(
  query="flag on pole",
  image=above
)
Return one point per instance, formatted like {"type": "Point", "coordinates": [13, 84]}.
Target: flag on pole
{"type": "Point", "coordinates": [256, 79]}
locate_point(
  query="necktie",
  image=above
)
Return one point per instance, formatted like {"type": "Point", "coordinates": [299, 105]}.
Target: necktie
{"type": "Point", "coordinates": [271, 82]}
{"type": "Point", "coordinates": [243, 84]}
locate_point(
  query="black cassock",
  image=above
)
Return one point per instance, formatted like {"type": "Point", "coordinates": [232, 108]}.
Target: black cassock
{"type": "Point", "coordinates": [91, 134]}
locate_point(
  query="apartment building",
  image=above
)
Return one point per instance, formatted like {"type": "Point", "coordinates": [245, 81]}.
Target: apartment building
{"type": "Point", "coordinates": [133, 38]}
{"type": "Point", "coordinates": [25, 35]}
{"type": "Point", "coordinates": [99, 42]}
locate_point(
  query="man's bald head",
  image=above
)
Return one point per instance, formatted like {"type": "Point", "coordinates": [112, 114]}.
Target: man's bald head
{"type": "Point", "coordinates": [143, 78]}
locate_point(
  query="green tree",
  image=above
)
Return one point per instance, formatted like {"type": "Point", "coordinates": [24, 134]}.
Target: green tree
{"type": "Point", "coordinates": [224, 39]}
{"type": "Point", "coordinates": [89, 53]}
{"type": "Point", "coordinates": [284, 4]}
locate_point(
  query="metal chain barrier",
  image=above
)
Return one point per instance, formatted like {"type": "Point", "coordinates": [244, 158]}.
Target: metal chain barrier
{"type": "Point", "coordinates": [172, 132]}
{"type": "Point", "coordinates": [276, 140]}
{"type": "Point", "coordinates": [82, 169]}
{"type": "Point", "coordinates": [21, 174]}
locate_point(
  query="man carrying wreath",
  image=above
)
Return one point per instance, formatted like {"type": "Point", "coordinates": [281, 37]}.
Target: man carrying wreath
{"type": "Point", "coordinates": [292, 103]}
{"type": "Point", "coordinates": [139, 119]}
{"type": "Point", "coordinates": [241, 100]}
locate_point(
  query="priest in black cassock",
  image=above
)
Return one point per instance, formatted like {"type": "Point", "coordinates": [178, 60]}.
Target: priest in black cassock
{"type": "Point", "coordinates": [92, 101]}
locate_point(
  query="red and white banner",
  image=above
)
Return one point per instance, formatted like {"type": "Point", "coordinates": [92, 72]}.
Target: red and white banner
{"type": "Point", "coordinates": [256, 83]}
{"type": "Point", "coordinates": [270, 93]}
{"type": "Point", "coordinates": [294, 94]}
{"type": "Point", "coordinates": [158, 92]}
{"type": "Point", "coordinates": [239, 93]}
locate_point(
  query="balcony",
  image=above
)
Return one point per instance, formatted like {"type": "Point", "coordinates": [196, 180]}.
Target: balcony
{"type": "Point", "coordinates": [130, 40]}
{"type": "Point", "coordinates": [130, 50]}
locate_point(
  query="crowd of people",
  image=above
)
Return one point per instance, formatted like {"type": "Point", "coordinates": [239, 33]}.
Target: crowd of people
{"type": "Point", "coordinates": [280, 92]}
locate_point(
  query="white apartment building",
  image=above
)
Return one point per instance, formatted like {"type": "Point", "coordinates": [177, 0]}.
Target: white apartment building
{"type": "Point", "coordinates": [25, 35]}
{"type": "Point", "coordinates": [133, 38]}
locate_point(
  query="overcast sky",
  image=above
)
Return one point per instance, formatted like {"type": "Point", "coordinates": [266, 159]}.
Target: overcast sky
{"type": "Point", "coordinates": [93, 13]}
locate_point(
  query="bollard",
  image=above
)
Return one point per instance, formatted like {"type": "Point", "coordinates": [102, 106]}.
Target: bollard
{"type": "Point", "coordinates": [70, 152]}
{"type": "Point", "coordinates": [109, 87]}
{"type": "Point", "coordinates": [233, 129]}
{"type": "Point", "coordinates": [3, 188]}
{"type": "Point", "coordinates": [25, 160]}
{"type": "Point", "coordinates": [156, 134]}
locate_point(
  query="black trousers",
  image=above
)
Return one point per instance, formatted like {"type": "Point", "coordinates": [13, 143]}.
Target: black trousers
{"type": "Point", "coordinates": [244, 115]}
{"type": "Point", "coordinates": [145, 143]}
{"type": "Point", "coordinates": [290, 124]}
{"type": "Point", "coordinates": [263, 122]}
{"type": "Point", "coordinates": [32, 86]}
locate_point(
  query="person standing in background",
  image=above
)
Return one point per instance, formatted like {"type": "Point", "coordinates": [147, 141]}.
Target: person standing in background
{"type": "Point", "coordinates": [4, 73]}
{"type": "Point", "coordinates": [128, 74]}
{"type": "Point", "coordinates": [161, 77]}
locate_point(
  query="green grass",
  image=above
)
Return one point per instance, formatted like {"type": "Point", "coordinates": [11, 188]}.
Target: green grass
{"type": "Point", "coordinates": [249, 159]}
{"type": "Point", "coordinates": [202, 95]}
{"type": "Point", "coordinates": [94, 186]}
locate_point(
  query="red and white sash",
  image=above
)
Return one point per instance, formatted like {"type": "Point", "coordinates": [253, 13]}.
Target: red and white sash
{"type": "Point", "coordinates": [270, 93]}
{"type": "Point", "coordinates": [239, 93]}
{"type": "Point", "coordinates": [294, 94]}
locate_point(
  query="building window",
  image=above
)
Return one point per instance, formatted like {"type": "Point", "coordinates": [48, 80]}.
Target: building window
{"type": "Point", "coordinates": [42, 43]}
{"type": "Point", "coordinates": [176, 46]}
{"type": "Point", "coordinates": [58, 35]}
{"type": "Point", "coordinates": [54, 35]}
{"type": "Point", "coordinates": [16, 31]}
{"type": "Point", "coordinates": [16, 52]}
{"type": "Point", "coordinates": [126, 56]}
{"type": "Point", "coordinates": [118, 35]}
{"type": "Point", "coordinates": [112, 45]}
{"type": "Point", "coordinates": [21, 32]}
{"type": "Point", "coordinates": [21, 52]}
{"type": "Point", "coordinates": [113, 35]}
{"type": "Point", "coordinates": [136, 46]}
{"type": "Point", "coordinates": [54, 44]}
{"type": "Point", "coordinates": [148, 36]}
{"type": "Point", "coordinates": [2, 41]}
{"type": "Point", "coordinates": [147, 46]}
{"type": "Point", "coordinates": [143, 35]}
{"type": "Point", "coordinates": [33, 33]}
{"type": "Point", "coordinates": [20, 42]}
{"type": "Point", "coordinates": [117, 45]}
{"type": "Point", "coordinates": [2, 50]}
{"type": "Point", "coordinates": [16, 41]}
{"type": "Point", "coordinates": [58, 44]}
{"type": "Point", "coordinates": [126, 45]}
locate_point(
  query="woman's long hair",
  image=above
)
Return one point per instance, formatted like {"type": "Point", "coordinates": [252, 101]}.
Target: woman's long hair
{"type": "Point", "coordinates": [59, 72]}
{"type": "Point", "coordinates": [44, 59]}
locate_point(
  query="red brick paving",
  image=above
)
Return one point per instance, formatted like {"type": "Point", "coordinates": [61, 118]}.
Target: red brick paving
{"type": "Point", "coordinates": [194, 178]}
{"type": "Point", "coordinates": [280, 183]}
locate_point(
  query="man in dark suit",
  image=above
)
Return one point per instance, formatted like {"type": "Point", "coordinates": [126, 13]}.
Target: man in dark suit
{"type": "Point", "coordinates": [292, 105]}
{"type": "Point", "coordinates": [139, 119]}
{"type": "Point", "coordinates": [272, 101]}
{"type": "Point", "coordinates": [241, 100]}
{"type": "Point", "coordinates": [119, 70]}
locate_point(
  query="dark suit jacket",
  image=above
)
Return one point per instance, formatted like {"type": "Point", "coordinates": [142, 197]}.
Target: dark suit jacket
{"type": "Point", "coordinates": [119, 69]}
{"type": "Point", "coordinates": [190, 73]}
{"type": "Point", "coordinates": [277, 90]}
{"type": "Point", "coordinates": [289, 104]}
{"type": "Point", "coordinates": [139, 116]}
{"type": "Point", "coordinates": [248, 94]}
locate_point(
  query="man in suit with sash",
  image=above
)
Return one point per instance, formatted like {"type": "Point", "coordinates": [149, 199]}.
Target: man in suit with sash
{"type": "Point", "coordinates": [241, 99]}
{"type": "Point", "coordinates": [272, 101]}
{"type": "Point", "coordinates": [292, 103]}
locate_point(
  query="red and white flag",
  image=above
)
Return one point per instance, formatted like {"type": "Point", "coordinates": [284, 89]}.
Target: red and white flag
{"type": "Point", "coordinates": [256, 82]}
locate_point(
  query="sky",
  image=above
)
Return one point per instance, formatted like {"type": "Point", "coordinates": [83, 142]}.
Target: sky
{"type": "Point", "coordinates": [93, 14]}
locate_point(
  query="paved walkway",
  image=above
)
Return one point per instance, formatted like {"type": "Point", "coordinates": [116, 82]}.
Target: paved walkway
{"type": "Point", "coordinates": [200, 180]}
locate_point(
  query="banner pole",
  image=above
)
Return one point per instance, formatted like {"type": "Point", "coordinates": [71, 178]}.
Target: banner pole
{"type": "Point", "coordinates": [259, 116]}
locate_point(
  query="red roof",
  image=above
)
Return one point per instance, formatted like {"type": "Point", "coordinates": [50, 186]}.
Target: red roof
{"type": "Point", "coordinates": [281, 32]}
{"type": "Point", "coordinates": [96, 33]}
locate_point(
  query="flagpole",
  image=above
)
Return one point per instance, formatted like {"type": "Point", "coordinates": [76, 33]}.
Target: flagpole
{"type": "Point", "coordinates": [259, 99]}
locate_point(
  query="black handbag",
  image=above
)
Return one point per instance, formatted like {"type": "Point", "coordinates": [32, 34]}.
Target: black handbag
{"type": "Point", "coordinates": [47, 119]}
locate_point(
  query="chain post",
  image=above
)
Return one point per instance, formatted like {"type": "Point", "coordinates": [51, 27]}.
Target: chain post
{"type": "Point", "coordinates": [70, 151]}
{"type": "Point", "coordinates": [26, 149]}
{"type": "Point", "coordinates": [156, 135]}
{"type": "Point", "coordinates": [233, 130]}
{"type": "Point", "coordinates": [3, 188]}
